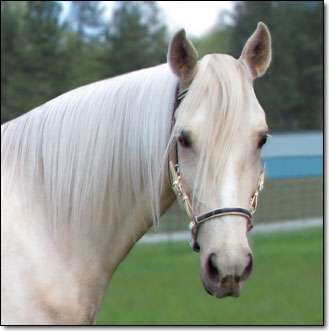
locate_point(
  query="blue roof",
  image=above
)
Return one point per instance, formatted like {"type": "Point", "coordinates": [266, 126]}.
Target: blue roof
{"type": "Point", "coordinates": [294, 145]}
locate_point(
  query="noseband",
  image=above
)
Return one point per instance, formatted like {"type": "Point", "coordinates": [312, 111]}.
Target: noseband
{"type": "Point", "coordinates": [176, 184]}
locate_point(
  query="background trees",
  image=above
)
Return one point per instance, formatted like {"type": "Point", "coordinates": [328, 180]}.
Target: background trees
{"type": "Point", "coordinates": [31, 65]}
{"type": "Point", "coordinates": [45, 53]}
{"type": "Point", "coordinates": [291, 91]}
{"type": "Point", "coordinates": [135, 38]}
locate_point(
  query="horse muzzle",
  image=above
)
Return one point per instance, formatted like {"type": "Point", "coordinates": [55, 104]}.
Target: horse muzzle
{"type": "Point", "coordinates": [220, 281]}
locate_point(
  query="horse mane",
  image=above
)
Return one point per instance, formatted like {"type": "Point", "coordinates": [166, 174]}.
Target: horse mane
{"type": "Point", "coordinates": [101, 148]}
{"type": "Point", "coordinates": [97, 149]}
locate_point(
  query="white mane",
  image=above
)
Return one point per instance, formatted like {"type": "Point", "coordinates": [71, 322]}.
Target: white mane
{"type": "Point", "coordinates": [95, 149]}
{"type": "Point", "coordinates": [102, 148]}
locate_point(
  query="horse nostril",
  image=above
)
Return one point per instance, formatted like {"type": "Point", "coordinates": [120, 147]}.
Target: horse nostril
{"type": "Point", "coordinates": [248, 269]}
{"type": "Point", "coordinates": [213, 269]}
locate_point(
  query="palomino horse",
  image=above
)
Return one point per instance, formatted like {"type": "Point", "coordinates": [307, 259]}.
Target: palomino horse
{"type": "Point", "coordinates": [85, 175]}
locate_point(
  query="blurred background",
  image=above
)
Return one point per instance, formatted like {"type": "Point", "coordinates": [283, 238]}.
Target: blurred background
{"type": "Point", "coordinates": [50, 47]}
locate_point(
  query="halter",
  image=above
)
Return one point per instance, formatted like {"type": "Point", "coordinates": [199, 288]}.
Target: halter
{"type": "Point", "coordinates": [176, 184]}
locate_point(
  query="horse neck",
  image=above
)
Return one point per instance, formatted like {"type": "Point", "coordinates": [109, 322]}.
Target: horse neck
{"type": "Point", "coordinates": [121, 234]}
{"type": "Point", "coordinates": [99, 246]}
{"type": "Point", "coordinates": [103, 257]}
{"type": "Point", "coordinates": [125, 233]}
{"type": "Point", "coordinates": [77, 272]}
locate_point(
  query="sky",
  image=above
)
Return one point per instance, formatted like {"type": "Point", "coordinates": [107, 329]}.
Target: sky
{"type": "Point", "coordinates": [197, 17]}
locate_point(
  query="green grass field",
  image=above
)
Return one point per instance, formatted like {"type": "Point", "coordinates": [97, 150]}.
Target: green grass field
{"type": "Point", "coordinates": [160, 285]}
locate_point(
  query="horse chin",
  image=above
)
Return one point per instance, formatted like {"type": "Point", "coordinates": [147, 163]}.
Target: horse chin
{"type": "Point", "coordinates": [230, 289]}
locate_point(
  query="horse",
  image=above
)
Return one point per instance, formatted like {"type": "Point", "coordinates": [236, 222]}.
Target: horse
{"type": "Point", "coordinates": [87, 174]}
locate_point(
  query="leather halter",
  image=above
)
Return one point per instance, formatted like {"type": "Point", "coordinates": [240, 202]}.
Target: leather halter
{"type": "Point", "coordinates": [176, 184]}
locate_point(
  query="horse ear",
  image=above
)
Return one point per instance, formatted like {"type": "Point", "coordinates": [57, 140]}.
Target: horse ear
{"type": "Point", "coordinates": [182, 57]}
{"type": "Point", "coordinates": [257, 51]}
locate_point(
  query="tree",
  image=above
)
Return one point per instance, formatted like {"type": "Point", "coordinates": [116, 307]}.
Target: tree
{"type": "Point", "coordinates": [86, 17]}
{"type": "Point", "coordinates": [217, 40]}
{"type": "Point", "coordinates": [136, 38]}
{"type": "Point", "coordinates": [42, 58]}
{"type": "Point", "coordinates": [84, 42]}
{"type": "Point", "coordinates": [12, 43]}
{"type": "Point", "coordinates": [31, 68]}
{"type": "Point", "coordinates": [44, 55]}
{"type": "Point", "coordinates": [291, 92]}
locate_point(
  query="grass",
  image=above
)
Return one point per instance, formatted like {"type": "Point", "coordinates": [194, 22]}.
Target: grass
{"type": "Point", "coordinates": [160, 285]}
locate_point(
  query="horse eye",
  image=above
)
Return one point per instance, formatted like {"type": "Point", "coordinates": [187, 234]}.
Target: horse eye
{"type": "Point", "coordinates": [263, 140]}
{"type": "Point", "coordinates": [185, 140]}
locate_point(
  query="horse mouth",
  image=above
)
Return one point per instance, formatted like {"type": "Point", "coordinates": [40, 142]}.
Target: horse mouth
{"type": "Point", "coordinates": [228, 293]}
{"type": "Point", "coordinates": [231, 288]}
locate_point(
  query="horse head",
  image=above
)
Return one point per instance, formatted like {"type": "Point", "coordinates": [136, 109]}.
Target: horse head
{"type": "Point", "coordinates": [219, 130]}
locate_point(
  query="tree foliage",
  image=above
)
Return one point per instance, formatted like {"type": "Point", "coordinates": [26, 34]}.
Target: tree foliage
{"type": "Point", "coordinates": [44, 53]}
{"type": "Point", "coordinates": [43, 56]}
{"type": "Point", "coordinates": [135, 37]}
{"type": "Point", "coordinates": [291, 92]}
{"type": "Point", "coordinates": [30, 55]}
